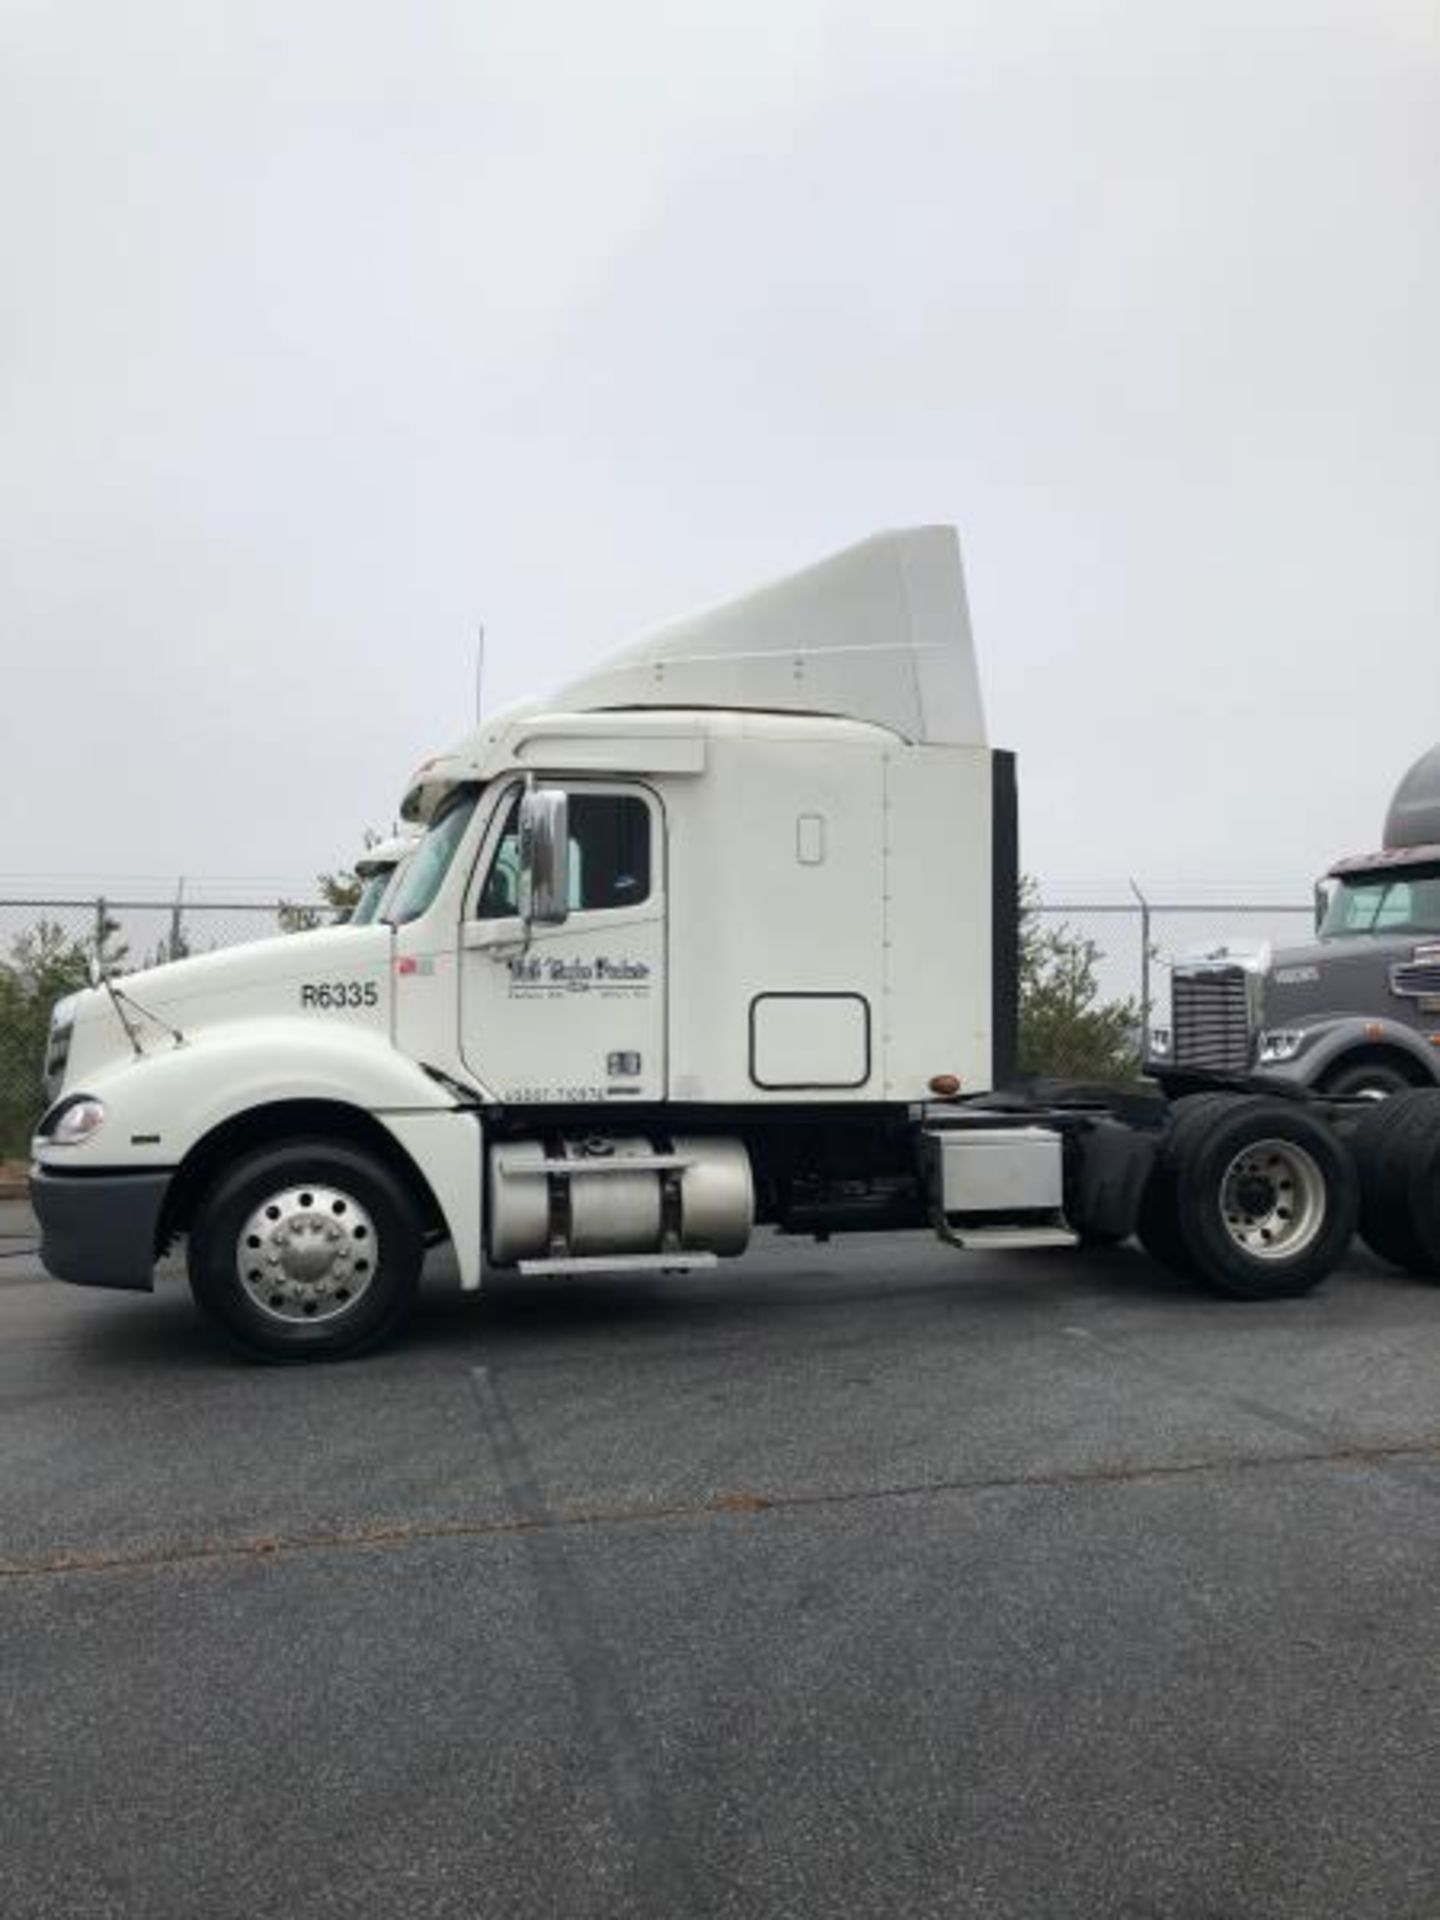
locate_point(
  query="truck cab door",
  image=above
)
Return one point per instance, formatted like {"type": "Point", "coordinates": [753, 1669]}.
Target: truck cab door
{"type": "Point", "coordinates": [571, 1014]}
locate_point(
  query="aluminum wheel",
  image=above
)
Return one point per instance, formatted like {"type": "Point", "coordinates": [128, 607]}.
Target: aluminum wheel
{"type": "Point", "coordinates": [1273, 1200]}
{"type": "Point", "coordinates": [307, 1254]}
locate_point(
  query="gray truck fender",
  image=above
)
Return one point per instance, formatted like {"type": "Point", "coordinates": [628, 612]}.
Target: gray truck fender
{"type": "Point", "coordinates": [1349, 1033]}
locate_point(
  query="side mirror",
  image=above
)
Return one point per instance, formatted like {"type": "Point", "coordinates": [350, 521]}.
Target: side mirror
{"type": "Point", "coordinates": [544, 857]}
{"type": "Point", "coordinates": [1323, 890]}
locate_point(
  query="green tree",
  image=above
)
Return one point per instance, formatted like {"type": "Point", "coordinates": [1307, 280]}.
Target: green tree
{"type": "Point", "coordinates": [1066, 1028]}
{"type": "Point", "coordinates": [338, 893]}
{"type": "Point", "coordinates": [43, 964]}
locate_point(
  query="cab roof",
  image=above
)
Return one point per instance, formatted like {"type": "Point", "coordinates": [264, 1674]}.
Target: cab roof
{"type": "Point", "coordinates": [877, 634]}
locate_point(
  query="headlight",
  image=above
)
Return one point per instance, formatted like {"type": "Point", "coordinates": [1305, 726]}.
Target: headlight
{"type": "Point", "coordinates": [1281, 1043]}
{"type": "Point", "coordinates": [76, 1121]}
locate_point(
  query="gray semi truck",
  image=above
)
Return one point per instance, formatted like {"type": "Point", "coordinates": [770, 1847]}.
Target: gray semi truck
{"type": "Point", "coordinates": [1356, 1011]}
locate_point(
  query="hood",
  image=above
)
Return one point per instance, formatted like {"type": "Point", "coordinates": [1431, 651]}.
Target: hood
{"type": "Point", "coordinates": [258, 964]}
{"type": "Point", "coordinates": [329, 973]}
{"type": "Point", "coordinates": [1325, 977]}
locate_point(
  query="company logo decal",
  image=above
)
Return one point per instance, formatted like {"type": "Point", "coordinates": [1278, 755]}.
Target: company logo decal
{"type": "Point", "coordinates": [530, 975]}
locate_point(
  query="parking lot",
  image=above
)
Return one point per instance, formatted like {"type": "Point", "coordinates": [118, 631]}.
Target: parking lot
{"type": "Point", "coordinates": [859, 1579]}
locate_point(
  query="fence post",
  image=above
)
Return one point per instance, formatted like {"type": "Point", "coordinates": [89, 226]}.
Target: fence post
{"type": "Point", "coordinates": [100, 921]}
{"type": "Point", "coordinates": [1144, 963]}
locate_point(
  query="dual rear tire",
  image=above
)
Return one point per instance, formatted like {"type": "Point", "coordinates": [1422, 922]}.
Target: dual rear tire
{"type": "Point", "coordinates": [1255, 1198]}
{"type": "Point", "coordinates": [1397, 1150]}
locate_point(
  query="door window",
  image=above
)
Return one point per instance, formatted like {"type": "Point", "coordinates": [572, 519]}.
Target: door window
{"type": "Point", "coordinates": [609, 856]}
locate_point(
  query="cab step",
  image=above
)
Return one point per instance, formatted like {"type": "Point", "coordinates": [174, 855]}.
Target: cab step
{"type": "Point", "coordinates": [622, 1263]}
{"type": "Point", "coordinates": [975, 1238]}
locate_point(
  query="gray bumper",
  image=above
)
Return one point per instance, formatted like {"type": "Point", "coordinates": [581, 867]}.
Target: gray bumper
{"type": "Point", "coordinates": [98, 1229]}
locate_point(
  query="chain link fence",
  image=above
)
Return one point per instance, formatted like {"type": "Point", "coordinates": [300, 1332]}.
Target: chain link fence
{"type": "Point", "coordinates": [1096, 977]}
{"type": "Point", "coordinates": [47, 947]}
{"type": "Point", "coordinates": [1135, 942]}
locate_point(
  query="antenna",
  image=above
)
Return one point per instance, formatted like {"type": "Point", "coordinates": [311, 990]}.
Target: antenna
{"type": "Point", "coordinates": [479, 669]}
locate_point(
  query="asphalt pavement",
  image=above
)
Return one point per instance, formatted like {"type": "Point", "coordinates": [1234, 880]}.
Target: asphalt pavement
{"type": "Point", "coordinates": [864, 1579]}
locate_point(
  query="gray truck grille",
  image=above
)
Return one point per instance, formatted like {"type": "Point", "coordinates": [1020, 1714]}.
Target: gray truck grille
{"type": "Point", "coordinates": [1418, 978]}
{"type": "Point", "coordinates": [1210, 1020]}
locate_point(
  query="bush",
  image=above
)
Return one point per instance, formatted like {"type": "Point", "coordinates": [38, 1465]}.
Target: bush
{"type": "Point", "coordinates": [42, 966]}
{"type": "Point", "coordinates": [1066, 1029]}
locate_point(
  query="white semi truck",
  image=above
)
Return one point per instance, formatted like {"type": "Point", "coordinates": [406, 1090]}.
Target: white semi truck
{"type": "Point", "coordinates": [723, 935]}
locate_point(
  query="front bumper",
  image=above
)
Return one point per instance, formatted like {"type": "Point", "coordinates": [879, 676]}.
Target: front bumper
{"type": "Point", "coordinates": [98, 1229]}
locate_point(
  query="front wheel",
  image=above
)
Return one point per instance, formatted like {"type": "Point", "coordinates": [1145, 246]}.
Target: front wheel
{"type": "Point", "coordinates": [306, 1250]}
{"type": "Point", "coordinates": [1366, 1080]}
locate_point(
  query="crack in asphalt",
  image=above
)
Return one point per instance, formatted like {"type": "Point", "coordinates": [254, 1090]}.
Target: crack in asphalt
{"type": "Point", "coordinates": [1389, 1460]}
{"type": "Point", "coordinates": [1383, 1456]}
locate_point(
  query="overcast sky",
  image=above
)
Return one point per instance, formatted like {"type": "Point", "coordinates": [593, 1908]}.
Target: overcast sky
{"type": "Point", "coordinates": [329, 330]}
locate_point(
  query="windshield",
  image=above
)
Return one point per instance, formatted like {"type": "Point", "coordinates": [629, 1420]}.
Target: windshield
{"type": "Point", "coordinates": [430, 862]}
{"type": "Point", "coordinates": [1401, 902]}
{"type": "Point", "coordinates": [372, 892]}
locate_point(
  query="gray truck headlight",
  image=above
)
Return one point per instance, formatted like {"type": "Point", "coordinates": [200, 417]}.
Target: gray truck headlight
{"type": "Point", "coordinates": [76, 1121]}
{"type": "Point", "coordinates": [1281, 1043]}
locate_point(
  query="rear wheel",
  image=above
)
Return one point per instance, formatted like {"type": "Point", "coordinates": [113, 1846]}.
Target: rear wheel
{"type": "Point", "coordinates": [1158, 1226]}
{"type": "Point", "coordinates": [306, 1250]}
{"type": "Point", "coordinates": [1424, 1182]}
{"type": "Point", "coordinates": [1098, 1238]}
{"type": "Point", "coordinates": [1260, 1197]}
{"type": "Point", "coordinates": [1397, 1154]}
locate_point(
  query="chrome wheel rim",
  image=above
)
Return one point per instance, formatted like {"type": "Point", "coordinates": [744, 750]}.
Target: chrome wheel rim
{"type": "Point", "coordinates": [307, 1254]}
{"type": "Point", "coordinates": [1272, 1200]}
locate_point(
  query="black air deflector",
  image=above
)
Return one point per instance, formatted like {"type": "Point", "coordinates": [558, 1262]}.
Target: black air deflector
{"type": "Point", "coordinates": [1004, 920]}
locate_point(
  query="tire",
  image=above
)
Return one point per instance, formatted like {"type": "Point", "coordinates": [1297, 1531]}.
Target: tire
{"type": "Point", "coordinates": [1096, 1239]}
{"type": "Point", "coordinates": [307, 1250]}
{"type": "Point", "coordinates": [1373, 1078]}
{"type": "Point", "coordinates": [1399, 1201]}
{"type": "Point", "coordinates": [1158, 1225]}
{"type": "Point", "coordinates": [1265, 1198]}
{"type": "Point", "coordinates": [1423, 1179]}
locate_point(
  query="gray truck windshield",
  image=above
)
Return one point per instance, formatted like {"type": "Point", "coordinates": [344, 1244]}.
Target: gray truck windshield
{"type": "Point", "coordinates": [430, 862]}
{"type": "Point", "coordinates": [1401, 902]}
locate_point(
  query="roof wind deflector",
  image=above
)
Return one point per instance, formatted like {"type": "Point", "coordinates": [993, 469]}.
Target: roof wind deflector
{"type": "Point", "coordinates": [879, 632]}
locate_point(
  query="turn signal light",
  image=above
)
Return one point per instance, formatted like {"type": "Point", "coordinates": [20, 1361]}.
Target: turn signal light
{"type": "Point", "coordinates": [945, 1086]}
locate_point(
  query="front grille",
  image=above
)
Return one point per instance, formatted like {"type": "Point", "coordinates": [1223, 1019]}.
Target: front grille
{"type": "Point", "coordinates": [1210, 1019]}
{"type": "Point", "coordinates": [1417, 978]}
